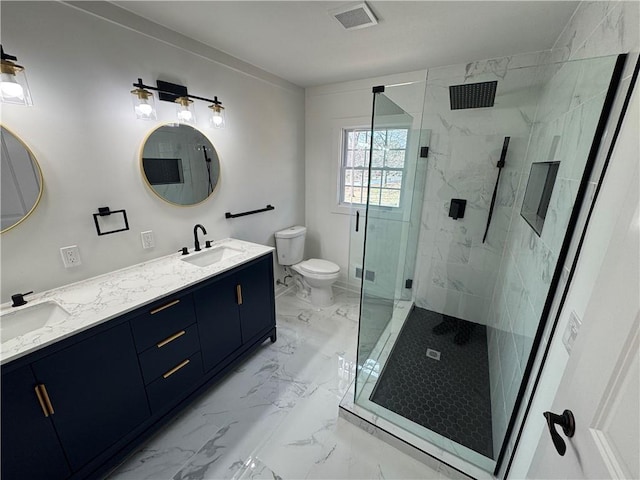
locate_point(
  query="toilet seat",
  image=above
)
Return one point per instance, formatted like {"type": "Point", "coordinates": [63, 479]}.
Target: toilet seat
{"type": "Point", "coordinates": [318, 267]}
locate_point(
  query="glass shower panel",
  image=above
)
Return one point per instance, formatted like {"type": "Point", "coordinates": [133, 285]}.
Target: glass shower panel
{"type": "Point", "coordinates": [568, 127]}
{"type": "Point", "coordinates": [392, 176]}
{"type": "Point", "coordinates": [448, 365]}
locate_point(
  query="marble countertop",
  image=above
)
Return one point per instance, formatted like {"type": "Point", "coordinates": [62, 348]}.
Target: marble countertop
{"type": "Point", "coordinates": [99, 299]}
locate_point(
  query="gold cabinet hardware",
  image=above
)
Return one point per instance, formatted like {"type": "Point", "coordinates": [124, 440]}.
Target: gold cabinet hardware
{"type": "Point", "coordinates": [41, 401]}
{"type": "Point", "coordinates": [239, 294]}
{"type": "Point", "coordinates": [171, 338]}
{"type": "Point", "coordinates": [175, 369]}
{"type": "Point", "coordinates": [44, 400]}
{"type": "Point", "coordinates": [159, 309]}
{"type": "Point", "coordinates": [47, 400]}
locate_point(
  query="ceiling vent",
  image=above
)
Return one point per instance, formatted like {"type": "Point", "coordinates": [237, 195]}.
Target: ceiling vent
{"type": "Point", "coordinates": [355, 16]}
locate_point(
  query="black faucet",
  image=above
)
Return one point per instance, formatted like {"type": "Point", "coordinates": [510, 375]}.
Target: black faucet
{"type": "Point", "coordinates": [195, 236]}
{"type": "Point", "coordinates": [18, 299]}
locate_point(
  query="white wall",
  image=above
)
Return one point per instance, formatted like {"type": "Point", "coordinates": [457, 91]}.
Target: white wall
{"type": "Point", "coordinates": [84, 134]}
{"type": "Point", "coordinates": [597, 28]}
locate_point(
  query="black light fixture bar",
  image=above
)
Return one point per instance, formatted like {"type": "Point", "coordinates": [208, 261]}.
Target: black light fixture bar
{"type": "Point", "coordinates": [6, 56]}
{"type": "Point", "coordinates": [169, 92]}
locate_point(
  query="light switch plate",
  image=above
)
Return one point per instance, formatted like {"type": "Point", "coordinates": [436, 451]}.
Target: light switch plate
{"type": "Point", "coordinates": [571, 331]}
{"type": "Point", "coordinates": [148, 241]}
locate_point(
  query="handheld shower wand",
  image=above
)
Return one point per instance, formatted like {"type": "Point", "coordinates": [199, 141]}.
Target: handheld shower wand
{"type": "Point", "coordinates": [500, 166]}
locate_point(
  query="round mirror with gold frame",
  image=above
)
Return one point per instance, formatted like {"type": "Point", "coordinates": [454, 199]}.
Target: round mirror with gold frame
{"type": "Point", "coordinates": [22, 183]}
{"type": "Point", "coordinates": [180, 164]}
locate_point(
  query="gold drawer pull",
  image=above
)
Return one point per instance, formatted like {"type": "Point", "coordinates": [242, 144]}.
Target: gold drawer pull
{"type": "Point", "coordinates": [171, 338]}
{"type": "Point", "coordinates": [159, 309]}
{"type": "Point", "coordinates": [175, 369]}
{"type": "Point", "coordinates": [45, 401]}
{"type": "Point", "coordinates": [239, 294]}
{"type": "Point", "coordinates": [41, 400]}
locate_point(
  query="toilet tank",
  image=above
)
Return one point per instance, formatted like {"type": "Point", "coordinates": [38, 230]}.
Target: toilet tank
{"type": "Point", "coordinates": [290, 245]}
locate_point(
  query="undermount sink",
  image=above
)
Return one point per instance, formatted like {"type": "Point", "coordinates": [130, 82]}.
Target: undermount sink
{"type": "Point", "coordinates": [211, 256]}
{"type": "Point", "coordinates": [14, 323]}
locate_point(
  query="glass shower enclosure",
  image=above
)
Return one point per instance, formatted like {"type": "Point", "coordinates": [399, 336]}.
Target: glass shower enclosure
{"type": "Point", "coordinates": [469, 213]}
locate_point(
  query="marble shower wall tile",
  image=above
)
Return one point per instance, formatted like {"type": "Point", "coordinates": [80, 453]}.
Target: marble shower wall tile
{"type": "Point", "coordinates": [498, 66]}
{"type": "Point", "coordinates": [600, 28]}
{"type": "Point", "coordinates": [587, 17]}
{"type": "Point", "coordinates": [465, 148]}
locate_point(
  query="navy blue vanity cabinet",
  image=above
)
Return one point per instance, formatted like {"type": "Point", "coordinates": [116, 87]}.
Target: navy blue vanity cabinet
{"type": "Point", "coordinates": [30, 447]}
{"type": "Point", "coordinates": [257, 308]}
{"type": "Point", "coordinates": [218, 320]}
{"type": "Point", "coordinates": [167, 338]}
{"type": "Point", "coordinates": [95, 391]}
{"type": "Point", "coordinates": [76, 408]}
{"type": "Point", "coordinates": [234, 310]}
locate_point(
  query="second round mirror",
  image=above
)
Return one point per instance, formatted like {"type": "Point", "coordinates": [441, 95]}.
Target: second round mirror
{"type": "Point", "coordinates": [180, 164]}
{"type": "Point", "coordinates": [21, 181]}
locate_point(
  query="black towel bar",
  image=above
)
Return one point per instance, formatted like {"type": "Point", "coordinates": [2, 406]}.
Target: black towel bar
{"type": "Point", "coordinates": [235, 215]}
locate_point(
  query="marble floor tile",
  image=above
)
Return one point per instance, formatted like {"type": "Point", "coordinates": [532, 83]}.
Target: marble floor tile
{"type": "Point", "coordinates": [276, 414]}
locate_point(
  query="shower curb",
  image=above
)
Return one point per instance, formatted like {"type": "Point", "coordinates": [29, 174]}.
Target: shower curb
{"type": "Point", "coordinates": [405, 447]}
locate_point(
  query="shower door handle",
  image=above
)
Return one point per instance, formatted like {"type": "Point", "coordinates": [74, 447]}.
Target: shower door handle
{"type": "Point", "coordinates": [568, 424]}
{"type": "Point", "coordinates": [357, 220]}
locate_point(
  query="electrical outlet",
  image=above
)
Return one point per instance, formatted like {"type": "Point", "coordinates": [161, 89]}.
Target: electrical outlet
{"type": "Point", "coordinates": [70, 256]}
{"type": "Point", "coordinates": [147, 239]}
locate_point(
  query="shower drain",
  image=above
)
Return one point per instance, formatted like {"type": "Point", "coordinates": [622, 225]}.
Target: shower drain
{"type": "Point", "coordinates": [431, 353]}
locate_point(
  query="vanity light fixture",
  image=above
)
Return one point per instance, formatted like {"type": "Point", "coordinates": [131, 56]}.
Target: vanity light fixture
{"type": "Point", "coordinates": [217, 118]}
{"type": "Point", "coordinates": [178, 94]}
{"type": "Point", "coordinates": [144, 104]}
{"type": "Point", "coordinates": [184, 110]}
{"type": "Point", "coordinates": [13, 81]}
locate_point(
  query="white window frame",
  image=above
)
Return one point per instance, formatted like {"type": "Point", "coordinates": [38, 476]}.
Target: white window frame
{"type": "Point", "coordinates": [383, 169]}
{"type": "Point", "coordinates": [350, 123]}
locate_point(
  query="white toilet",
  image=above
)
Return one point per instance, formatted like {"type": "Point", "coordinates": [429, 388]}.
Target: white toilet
{"type": "Point", "coordinates": [315, 276]}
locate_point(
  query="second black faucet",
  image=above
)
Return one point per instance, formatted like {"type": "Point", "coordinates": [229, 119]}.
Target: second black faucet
{"type": "Point", "coordinates": [195, 236]}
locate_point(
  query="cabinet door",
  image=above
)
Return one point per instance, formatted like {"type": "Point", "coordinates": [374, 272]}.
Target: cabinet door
{"type": "Point", "coordinates": [96, 391]}
{"type": "Point", "coordinates": [257, 311]}
{"type": "Point", "coordinates": [218, 320]}
{"type": "Point", "coordinates": [30, 447]}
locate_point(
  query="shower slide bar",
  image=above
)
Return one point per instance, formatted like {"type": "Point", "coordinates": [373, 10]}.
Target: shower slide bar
{"type": "Point", "coordinates": [500, 165]}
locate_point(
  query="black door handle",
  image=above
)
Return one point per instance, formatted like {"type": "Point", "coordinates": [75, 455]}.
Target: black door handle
{"type": "Point", "coordinates": [568, 424]}
{"type": "Point", "coordinates": [357, 220]}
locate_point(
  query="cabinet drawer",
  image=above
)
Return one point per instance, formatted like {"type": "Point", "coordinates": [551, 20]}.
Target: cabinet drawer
{"type": "Point", "coordinates": [169, 352]}
{"type": "Point", "coordinates": [175, 383]}
{"type": "Point", "coordinates": [162, 320]}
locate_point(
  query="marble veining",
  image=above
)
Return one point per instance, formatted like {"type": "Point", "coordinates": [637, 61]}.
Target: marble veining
{"type": "Point", "coordinates": [102, 298]}
{"type": "Point", "coordinates": [276, 415]}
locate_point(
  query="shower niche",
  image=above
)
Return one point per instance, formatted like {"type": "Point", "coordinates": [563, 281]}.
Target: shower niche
{"type": "Point", "coordinates": [537, 195]}
{"type": "Point", "coordinates": [479, 299]}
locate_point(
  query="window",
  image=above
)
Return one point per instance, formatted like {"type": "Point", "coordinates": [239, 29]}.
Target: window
{"type": "Point", "coordinates": [387, 169]}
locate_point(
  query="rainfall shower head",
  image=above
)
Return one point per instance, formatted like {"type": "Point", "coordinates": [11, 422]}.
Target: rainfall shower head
{"type": "Point", "coordinates": [472, 95]}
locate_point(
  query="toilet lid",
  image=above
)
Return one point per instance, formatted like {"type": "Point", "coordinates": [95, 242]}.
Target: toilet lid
{"type": "Point", "coordinates": [317, 266]}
